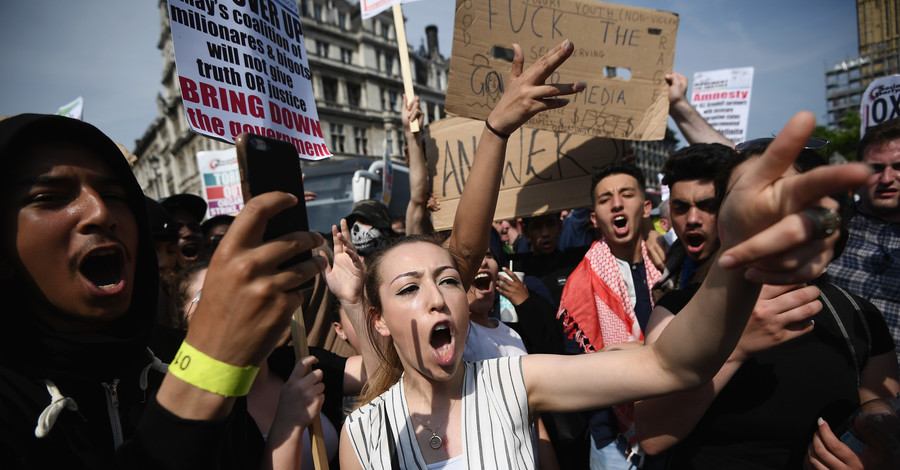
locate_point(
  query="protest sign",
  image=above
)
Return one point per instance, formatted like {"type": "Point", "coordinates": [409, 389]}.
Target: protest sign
{"type": "Point", "coordinates": [74, 110]}
{"type": "Point", "coordinates": [722, 97]}
{"type": "Point", "coordinates": [880, 102]}
{"type": "Point", "coordinates": [221, 180]}
{"type": "Point", "coordinates": [242, 67]}
{"type": "Point", "coordinates": [544, 171]}
{"type": "Point", "coordinates": [370, 8]}
{"type": "Point", "coordinates": [637, 43]}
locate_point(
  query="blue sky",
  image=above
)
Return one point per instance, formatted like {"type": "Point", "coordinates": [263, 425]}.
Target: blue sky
{"type": "Point", "coordinates": [55, 50]}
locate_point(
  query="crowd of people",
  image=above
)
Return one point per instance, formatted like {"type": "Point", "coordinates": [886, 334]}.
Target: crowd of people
{"type": "Point", "coordinates": [739, 332]}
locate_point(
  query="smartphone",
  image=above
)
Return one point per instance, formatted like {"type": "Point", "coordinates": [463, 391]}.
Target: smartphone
{"type": "Point", "coordinates": [268, 165]}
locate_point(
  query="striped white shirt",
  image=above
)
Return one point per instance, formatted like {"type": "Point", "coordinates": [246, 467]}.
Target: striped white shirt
{"type": "Point", "coordinates": [496, 428]}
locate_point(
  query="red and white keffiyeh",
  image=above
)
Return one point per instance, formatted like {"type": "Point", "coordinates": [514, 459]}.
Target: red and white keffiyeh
{"type": "Point", "coordinates": [596, 309]}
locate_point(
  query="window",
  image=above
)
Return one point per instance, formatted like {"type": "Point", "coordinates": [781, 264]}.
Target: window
{"type": "Point", "coordinates": [346, 55]}
{"type": "Point", "coordinates": [342, 21]}
{"type": "Point", "coordinates": [383, 98]}
{"type": "Point", "coordinates": [329, 89]}
{"type": "Point", "coordinates": [385, 30]}
{"type": "Point", "coordinates": [392, 100]}
{"type": "Point", "coordinates": [337, 138]}
{"type": "Point", "coordinates": [317, 11]}
{"type": "Point", "coordinates": [321, 49]}
{"type": "Point", "coordinates": [362, 142]}
{"type": "Point", "coordinates": [377, 60]}
{"type": "Point", "coordinates": [389, 64]}
{"type": "Point", "coordinates": [304, 10]}
{"type": "Point", "coordinates": [354, 91]}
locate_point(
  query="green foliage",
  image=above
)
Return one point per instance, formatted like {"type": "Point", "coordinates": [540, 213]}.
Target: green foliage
{"type": "Point", "coordinates": [844, 139]}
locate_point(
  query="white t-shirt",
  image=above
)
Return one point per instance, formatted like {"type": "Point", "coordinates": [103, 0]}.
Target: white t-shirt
{"type": "Point", "coordinates": [487, 343]}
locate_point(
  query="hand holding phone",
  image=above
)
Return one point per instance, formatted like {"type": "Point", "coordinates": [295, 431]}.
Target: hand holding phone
{"type": "Point", "coordinates": [267, 165]}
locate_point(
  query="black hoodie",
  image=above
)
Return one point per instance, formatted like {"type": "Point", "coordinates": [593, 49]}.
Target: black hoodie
{"type": "Point", "coordinates": [96, 376]}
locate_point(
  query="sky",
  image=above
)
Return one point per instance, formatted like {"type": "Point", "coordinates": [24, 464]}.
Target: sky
{"type": "Point", "coordinates": [56, 50]}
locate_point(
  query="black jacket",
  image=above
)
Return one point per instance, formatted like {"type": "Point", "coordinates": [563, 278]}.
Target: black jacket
{"type": "Point", "coordinates": [91, 397]}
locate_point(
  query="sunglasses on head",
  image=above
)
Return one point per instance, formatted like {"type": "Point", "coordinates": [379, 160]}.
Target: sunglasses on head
{"type": "Point", "coordinates": [814, 143]}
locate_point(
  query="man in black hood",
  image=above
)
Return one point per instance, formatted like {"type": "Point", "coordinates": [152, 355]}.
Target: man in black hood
{"type": "Point", "coordinates": [79, 387]}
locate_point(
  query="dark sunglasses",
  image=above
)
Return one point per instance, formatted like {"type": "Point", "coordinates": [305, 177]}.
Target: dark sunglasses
{"type": "Point", "coordinates": [814, 143]}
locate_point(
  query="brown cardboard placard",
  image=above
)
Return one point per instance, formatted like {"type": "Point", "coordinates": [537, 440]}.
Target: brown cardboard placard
{"type": "Point", "coordinates": [544, 171]}
{"type": "Point", "coordinates": [604, 34]}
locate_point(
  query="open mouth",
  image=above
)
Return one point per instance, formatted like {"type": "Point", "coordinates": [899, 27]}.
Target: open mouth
{"type": "Point", "coordinates": [620, 221]}
{"type": "Point", "coordinates": [482, 282]}
{"type": "Point", "coordinates": [103, 268]}
{"type": "Point", "coordinates": [694, 240]}
{"type": "Point", "coordinates": [442, 343]}
{"type": "Point", "coordinates": [190, 250]}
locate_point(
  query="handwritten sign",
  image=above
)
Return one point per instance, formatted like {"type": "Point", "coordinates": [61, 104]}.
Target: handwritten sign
{"type": "Point", "coordinates": [880, 102]}
{"type": "Point", "coordinates": [722, 97]}
{"type": "Point", "coordinates": [638, 43]}
{"type": "Point", "coordinates": [242, 67]}
{"type": "Point", "coordinates": [221, 180]}
{"type": "Point", "coordinates": [544, 171]}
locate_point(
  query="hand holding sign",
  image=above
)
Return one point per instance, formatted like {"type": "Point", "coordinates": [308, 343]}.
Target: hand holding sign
{"type": "Point", "coordinates": [528, 94]}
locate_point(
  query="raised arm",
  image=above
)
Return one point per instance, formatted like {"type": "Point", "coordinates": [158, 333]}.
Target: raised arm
{"type": "Point", "coordinates": [691, 124]}
{"type": "Point", "coordinates": [417, 218]}
{"type": "Point", "coordinates": [762, 234]}
{"type": "Point", "coordinates": [345, 280]}
{"type": "Point", "coordinates": [526, 95]}
{"type": "Point", "coordinates": [782, 313]}
{"type": "Point", "coordinates": [300, 401]}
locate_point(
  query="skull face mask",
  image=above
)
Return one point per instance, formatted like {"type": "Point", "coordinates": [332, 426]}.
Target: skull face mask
{"type": "Point", "coordinates": [366, 239]}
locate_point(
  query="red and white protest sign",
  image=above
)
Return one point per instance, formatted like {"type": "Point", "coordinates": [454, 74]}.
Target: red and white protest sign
{"type": "Point", "coordinates": [722, 97]}
{"type": "Point", "coordinates": [880, 102]}
{"type": "Point", "coordinates": [242, 67]}
{"type": "Point", "coordinates": [221, 181]}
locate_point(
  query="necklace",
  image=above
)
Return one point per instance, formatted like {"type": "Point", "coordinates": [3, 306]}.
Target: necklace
{"type": "Point", "coordinates": [435, 442]}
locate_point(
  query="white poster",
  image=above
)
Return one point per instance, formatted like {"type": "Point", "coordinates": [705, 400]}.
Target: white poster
{"type": "Point", "coordinates": [221, 181]}
{"type": "Point", "coordinates": [880, 102]}
{"type": "Point", "coordinates": [723, 98]}
{"type": "Point", "coordinates": [370, 8]}
{"type": "Point", "coordinates": [245, 69]}
{"type": "Point", "coordinates": [74, 110]}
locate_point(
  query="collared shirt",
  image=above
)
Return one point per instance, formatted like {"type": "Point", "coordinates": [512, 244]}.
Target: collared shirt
{"type": "Point", "coordinates": [870, 267]}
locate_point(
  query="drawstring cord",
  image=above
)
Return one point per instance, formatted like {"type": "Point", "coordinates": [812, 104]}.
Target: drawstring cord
{"type": "Point", "coordinates": [58, 403]}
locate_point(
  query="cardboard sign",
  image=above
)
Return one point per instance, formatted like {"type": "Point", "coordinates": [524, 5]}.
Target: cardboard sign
{"type": "Point", "coordinates": [544, 171]}
{"type": "Point", "coordinates": [221, 180]}
{"type": "Point", "coordinates": [722, 97]}
{"type": "Point", "coordinates": [245, 69]}
{"type": "Point", "coordinates": [880, 102]}
{"type": "Point", "coordinates": [634, 41]}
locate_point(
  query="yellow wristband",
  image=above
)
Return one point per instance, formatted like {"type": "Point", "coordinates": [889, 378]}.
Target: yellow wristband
{"type": "Point", "coordinates": [212, 375]}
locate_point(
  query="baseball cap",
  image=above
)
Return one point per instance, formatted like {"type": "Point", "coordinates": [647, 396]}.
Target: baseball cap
{"type": "Point", "coordinates": [194, 205]}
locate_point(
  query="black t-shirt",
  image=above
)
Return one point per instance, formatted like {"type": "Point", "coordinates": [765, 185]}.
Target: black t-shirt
{"type": "Point", "coordinates": [553, 269]}
{"type": "Point", "coordinates": [766, 415]}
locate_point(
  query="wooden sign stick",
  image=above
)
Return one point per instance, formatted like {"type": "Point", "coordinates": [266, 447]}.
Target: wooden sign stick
{"type": "Point", "coordinates": [403, 49]}
{"type": "Point", "coordinates": [301, 349]}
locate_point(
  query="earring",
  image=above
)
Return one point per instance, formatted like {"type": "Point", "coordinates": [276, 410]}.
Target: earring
{"type": "Point", "coordinates": [343, 336]}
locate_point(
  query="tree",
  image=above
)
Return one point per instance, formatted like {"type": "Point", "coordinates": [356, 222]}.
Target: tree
{"type": "Point", "coordinates": [845, 138]}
